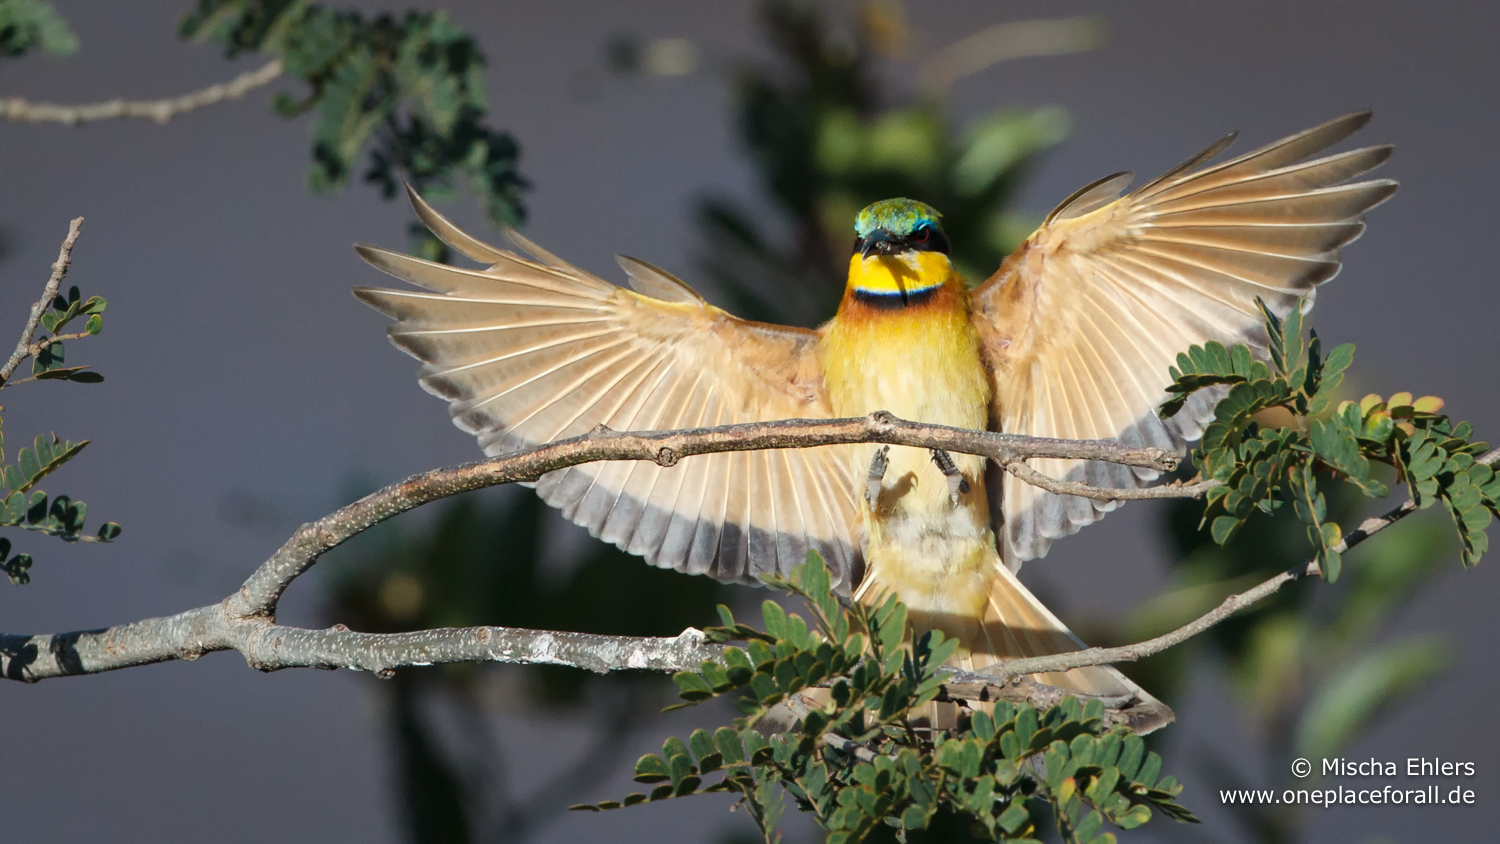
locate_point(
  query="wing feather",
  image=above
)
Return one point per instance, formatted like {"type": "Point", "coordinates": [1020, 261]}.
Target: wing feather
{"type": "Point", "coordinates": [638, 531]}
{"type": "Point", "coordinates": [1082, 322]}
{"type": "Point", "coordinates": [529, 350]}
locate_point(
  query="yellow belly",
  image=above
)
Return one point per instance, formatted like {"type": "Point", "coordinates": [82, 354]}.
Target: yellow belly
{"type": "Point", "coordinates": [921, 363]}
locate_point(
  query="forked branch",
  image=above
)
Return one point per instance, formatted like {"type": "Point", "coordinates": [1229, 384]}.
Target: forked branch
{"type": "Point", "coordinates": [245, 620]}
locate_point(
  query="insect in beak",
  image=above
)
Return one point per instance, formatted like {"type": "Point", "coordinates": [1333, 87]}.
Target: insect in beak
{"type": "Point", "coordinates": [880, 241]}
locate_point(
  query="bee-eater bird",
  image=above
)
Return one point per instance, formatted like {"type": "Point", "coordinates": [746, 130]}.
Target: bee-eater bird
{"type": "Point", "coordinates": [1071, 337]}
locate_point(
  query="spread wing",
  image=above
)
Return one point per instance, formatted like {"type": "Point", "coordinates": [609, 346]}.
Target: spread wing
{"type": "Point", "coordinates": [532, 350]}
{"type": "Point", "coordinates": [1081, 324]}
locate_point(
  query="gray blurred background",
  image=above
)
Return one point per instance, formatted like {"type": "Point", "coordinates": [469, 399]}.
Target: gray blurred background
{"type": "Point", "coordinates": [248, 392]}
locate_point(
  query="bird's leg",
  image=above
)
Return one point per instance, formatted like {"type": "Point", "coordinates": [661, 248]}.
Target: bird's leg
{"type": "Point", "coordinates": [957, 483]}
{"type": "Point", "coordinates": [876, 476]}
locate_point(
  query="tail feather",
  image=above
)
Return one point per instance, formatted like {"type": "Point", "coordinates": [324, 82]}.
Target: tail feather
{"type": "Point", "coordinates": [1016, 625]}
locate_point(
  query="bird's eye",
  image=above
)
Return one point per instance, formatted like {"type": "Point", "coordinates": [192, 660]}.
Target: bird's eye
{"type": "Point", "coordinates": [922, 235]}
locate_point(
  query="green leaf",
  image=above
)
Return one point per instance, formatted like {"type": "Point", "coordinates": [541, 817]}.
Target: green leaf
{"type": "Point", "coordinates": [36, 507]}
{"type": "Point", "coordinates": [1331, 563]}
{"type": "Point", "coordinates": [50, 357]}
{"type": "Point", "coordinates": [15, 508]}
{"type": "Point", "coordinates": [29, 465]}
{"type": "Point", "coordinates": [691, 686]}
{"type": "Point", "coordinates": [728, 743]}
{"type": "Point", "coordinates": [774, 617]}
{"type": "Point", "coordinates": [1224, 528]}
{"type": "Point", "coordinates": [1137, 815]}
{"type": "Point", "coordinates": [701, 743]}
{"type": "Point", "coordinates": [893, 629]}
{"type": "Point", "coordinates": [78, 374]}
{"type": "Point", "coordinates": [652, 768]}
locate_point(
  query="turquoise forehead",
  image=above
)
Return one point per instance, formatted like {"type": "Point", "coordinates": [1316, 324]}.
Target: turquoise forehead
{"type": "Point", "coordinates": [897, 216]}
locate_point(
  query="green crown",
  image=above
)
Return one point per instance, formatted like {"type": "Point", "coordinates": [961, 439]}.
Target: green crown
{"type": "Point", "coordinates": [900, 217]}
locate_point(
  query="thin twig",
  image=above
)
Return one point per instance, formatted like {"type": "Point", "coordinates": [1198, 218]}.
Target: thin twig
{"type": "Point", "coordinates": [1195, 489]}
{"type": "Point", "coordinates": [23, 110]}
{"type": "Point", "coordinates": [24, 346]}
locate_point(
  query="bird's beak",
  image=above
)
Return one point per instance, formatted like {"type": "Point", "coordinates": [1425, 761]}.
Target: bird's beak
{"type": "Point", "coordinates": [880, 241]}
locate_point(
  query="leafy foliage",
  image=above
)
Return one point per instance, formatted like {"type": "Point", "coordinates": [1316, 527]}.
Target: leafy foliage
{"type": "Point", "coordinates": [859, 757]}
{"type": "Point", "coordinates": [1265, 467]}
{"type": "Point", "coordinates": [47, 363]}
{"type": "Point", "coordinates": [23, 505]}
{"type": "Point", "coordinates": [28, 24]}
{"type": "Point", "coordinates": [410, 89]}
{"type": "Point", "coordinates": [1313, 670]}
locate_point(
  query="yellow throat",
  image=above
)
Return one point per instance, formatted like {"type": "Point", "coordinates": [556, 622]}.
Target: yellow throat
{"type": "Point", "coordinates": [902, 341]}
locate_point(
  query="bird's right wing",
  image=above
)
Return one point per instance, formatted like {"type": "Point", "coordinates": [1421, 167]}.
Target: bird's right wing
{"type": "Point", "coordinates": [533, 350]}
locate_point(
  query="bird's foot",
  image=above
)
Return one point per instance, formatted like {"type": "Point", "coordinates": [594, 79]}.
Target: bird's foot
{"type": "Point", "coordinates": [876, 476]}
{"type": "Point", "coordinates": [957, 484]}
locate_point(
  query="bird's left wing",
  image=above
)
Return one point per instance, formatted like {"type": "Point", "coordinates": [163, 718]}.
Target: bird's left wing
{"type": "Point", "coordinates": [531, 350]}
{"type": "Point", "coordinates": [1080, 325]}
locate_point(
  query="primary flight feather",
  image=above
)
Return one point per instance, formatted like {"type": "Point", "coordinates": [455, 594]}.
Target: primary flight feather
{"type": "Point", "coordinates": [1071, 337]}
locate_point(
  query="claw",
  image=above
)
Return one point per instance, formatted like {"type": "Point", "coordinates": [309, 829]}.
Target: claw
{"type": "Point", "coordinates": [876, 476]}
{"type": "Point", "coordinates": [957, 484]}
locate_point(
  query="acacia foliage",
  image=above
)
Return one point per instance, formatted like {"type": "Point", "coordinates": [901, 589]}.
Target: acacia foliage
{"type": "Point", "coordinates": [22, 504]}
{"type": "Point", "coordinates": [862, 763]}
{"type": "Point", "coordinates": [408, 88]}
{"type": "Point", "coordinates": [1265, 467]}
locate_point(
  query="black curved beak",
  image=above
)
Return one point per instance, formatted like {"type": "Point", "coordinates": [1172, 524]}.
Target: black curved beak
{"type": "Point", "coordinates": [880, 241]}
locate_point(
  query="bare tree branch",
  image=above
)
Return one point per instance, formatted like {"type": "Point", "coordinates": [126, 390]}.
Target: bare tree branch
{"type": "Point", "coordinates": [258, 595]}
{"type": "Point", "coordinates": [22, 110]}
{"type": "Point", "coordinates": [24, 347]}
{"type": "Point", "coordinates": [245, 621]}
{"type": "Point", "coordinates": [268, 646]}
